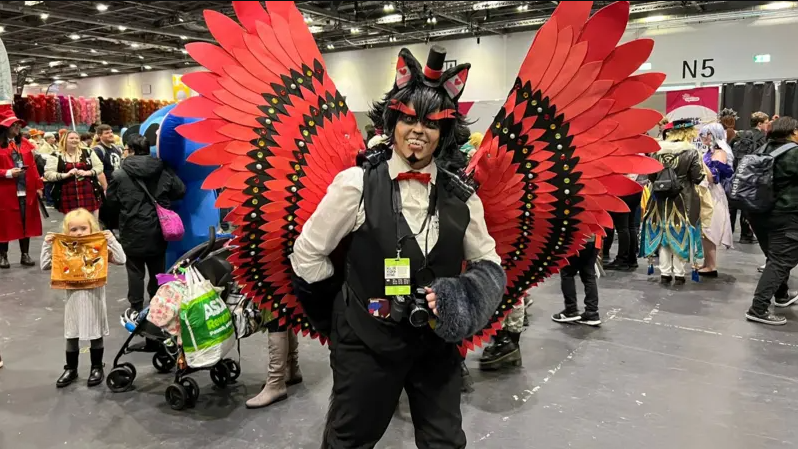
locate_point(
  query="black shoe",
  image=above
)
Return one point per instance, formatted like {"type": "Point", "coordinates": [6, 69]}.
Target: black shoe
{"type": "Point", "coordinates": [567, 316]}
{"type": "Point", "coordinates": [502, 353]}
{"type": "Point", "coordinates": [526, 319]}
{"type": "Point", "coordinates": [748, 240]}
{"type": "Point", "coordinates": [617, 265]}
{"type": "Point", "coordinates": [4, 262]}
{"type": "Point", "coordinates": [633, 265]}
{"type": "Point", "coordinates": [708, 274]}
{"type": "Point", "coordinates": [25, 260]}
{"type": "Point", "coordinates": [679, 280]}
{"type": "Point", "coordinates": [665, 279]}
{"type": "Point", "coordinates": [590, 319]}
{"type": "Point", "coordinates": [96, 376]}
{"type": "Point", "coordinates": [791, 298]}
{"type": "Point", "coordinates": [69, 376]}
{"type": "Point", "coordinates": [605, 260]}
{"type": "Point", "coordinates": [766, 318]}
{"type": "Point", "coordinates": [761, 268]}
{"type": "Point", "coordinates": [468, 383]}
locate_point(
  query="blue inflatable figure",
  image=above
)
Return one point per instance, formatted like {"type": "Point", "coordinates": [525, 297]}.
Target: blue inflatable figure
{"type": "Point", "coordinates": [196, 209]}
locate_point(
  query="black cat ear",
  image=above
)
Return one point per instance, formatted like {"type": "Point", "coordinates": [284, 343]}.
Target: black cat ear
{"type": "Point", "coordinates": [407, 69]}
{"type": "Point", "coordinates": [454, 81]}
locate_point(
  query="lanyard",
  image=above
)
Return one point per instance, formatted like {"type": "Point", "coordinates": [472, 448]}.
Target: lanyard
{"type": "Point", "coordinates": [396, 200]}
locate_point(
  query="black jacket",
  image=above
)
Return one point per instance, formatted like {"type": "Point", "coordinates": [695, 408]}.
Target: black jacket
{"type": "Point", "coordinates": [139, 229]}
{"type": "Point", "coordinates": [785, 178]}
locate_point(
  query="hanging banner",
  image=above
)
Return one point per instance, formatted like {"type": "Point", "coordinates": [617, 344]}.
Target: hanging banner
{"type": "Point", "coordinates": [180, 90]}
{"type": "Point", "coordinates": [701, 103]}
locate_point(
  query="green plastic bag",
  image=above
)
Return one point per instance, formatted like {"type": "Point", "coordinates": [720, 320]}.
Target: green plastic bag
{"type": "Point", "coordinates": [206, 324]}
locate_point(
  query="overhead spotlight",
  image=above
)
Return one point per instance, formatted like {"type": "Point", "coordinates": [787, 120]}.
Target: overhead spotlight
{"type": "Point", "coordinates": [146, 67]}
{"type": "Point", "coordinates": [44, 16]}
{"type": "Point", "coordinates": [651, 19]}
{"type": "Point", "coordinates": [134, 45]}
{"type": "Point", "coordinates": [184, 51]}
{"type": "Point", "coordinates": [330, 47]}
{"type": "Point", "coordinates": [114, 71]}
{"type": "Point", "coordinates": [522, 8]}
{"type": "Point", "coordinates": [74, 37]}
{"type": "Point", "coordinates": [186, 63]}
{"type": "Point", "coordinates": [93, 51]}
{"type": "Point", "coordinates": [388, 7]}
{"type": "Point", "coordinates": [84, 74]}
{"type": "Point", "coordinates": [121, 28]}
{"type": "Point", "coordinates": [354, 30]}
{"type": "Point", "coordinates": [434, 20]}
{"type": "Point", "coordinates": [102, 7]}
{"type": "Point", "coordinates": [180, 19]}
{"type": "Point", "coordinates": [54, 63]}
{"type": "Point", "coordinates": [105, 62]}
{"type": "Point", "coordinates": [315, 29]}
{"type": "Point", "coordinates": [73, 66]}
{"type": "Point", "coordinates": [2, 29]}
{"type": "Point", "coordinates": [59, 82]}
{"type": "Point", "coordinates": [141, 57]}
{"type": "Point", "coordinates": [183, 37]}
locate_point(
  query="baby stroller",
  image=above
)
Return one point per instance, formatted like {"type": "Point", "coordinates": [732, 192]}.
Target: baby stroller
{"type": "Point", "coordinates": [210, 259]}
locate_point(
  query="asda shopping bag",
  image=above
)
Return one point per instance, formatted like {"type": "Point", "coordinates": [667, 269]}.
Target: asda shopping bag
{"type": "Point", "coordinates": [206, 325]}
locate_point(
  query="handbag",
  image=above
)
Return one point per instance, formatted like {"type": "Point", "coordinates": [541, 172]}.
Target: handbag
{"type": "Point", "coordinates": [171, 224]}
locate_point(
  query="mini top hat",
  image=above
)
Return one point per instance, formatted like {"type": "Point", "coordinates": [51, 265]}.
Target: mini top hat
{"type": "Point", "coordinates": [7, 117]}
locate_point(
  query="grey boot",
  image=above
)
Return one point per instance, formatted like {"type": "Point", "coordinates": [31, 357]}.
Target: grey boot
{"type": "Point", "coordinates": [274, 390]}
{"type": "Point", "coordinates": [294, 374]}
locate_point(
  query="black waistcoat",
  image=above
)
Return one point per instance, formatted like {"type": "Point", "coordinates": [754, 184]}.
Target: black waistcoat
{"type": "Point", "coordinates": [376, 241]}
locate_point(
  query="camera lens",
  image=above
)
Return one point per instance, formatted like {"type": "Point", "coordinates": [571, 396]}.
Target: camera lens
{"type": "Point", "coordinates": [419, 316]}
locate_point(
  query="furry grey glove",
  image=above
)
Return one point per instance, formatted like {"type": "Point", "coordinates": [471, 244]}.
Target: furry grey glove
{"type": "Point", "coordinates": [466, 302]}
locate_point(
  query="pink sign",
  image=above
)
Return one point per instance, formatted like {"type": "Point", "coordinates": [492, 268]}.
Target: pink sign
{"type": "Point", "coordinates": [701, 102]}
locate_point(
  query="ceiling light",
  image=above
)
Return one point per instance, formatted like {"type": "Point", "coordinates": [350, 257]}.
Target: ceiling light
{"type": "Point", "coordinates": [183, 37]}
{"type": "Point", "coordinates": [84, 74]}
{"type": "Point", "coordinates": [102, 7]}
{"type": "Point", "coordinates": [315, 29]}
{"type": "Point", "coordinates": [778, 5]}
{"type": "Point", "coordinates": [32, 3]}
{"type": "Point", "coordinates": [308, 19]}
{"type": "Point", "coordinates": [122, 28]}
{"type": "Point", "coordinates": [42, 71]}
{"type": "Point", "coordinates": [184, 51]}
{"type": "Point", "coordinates": [390, 18]}
{"type": "Point", "coordinates": [29, 80]}
{"type": "Point", "coordinates": [434, 20]}
{"type": "Point", "coordinates": [180, 19]}
{"type": "Point", "coordinates": [651, 19]}
{"type": "Point", "coordinates": [186, 63]}
{"type": "Point", "coordinates": [59, 82]}
{"type": "Point", "coordinates": [55, 77]}
{"type": "Point", "coordinates": [141, 57]}
{"type": "Point", "coordinates": [134, 45]}
{"type": "Point", "coordinates": [522, 8]}
{"type": "Point", "coordinates": [330, 47]}
{"type": "Point", "coordinates": [44, 15]}
{"type": "Point", "coordinates": [146, 67]}
{"type": "Point", "coordinates": [53, 63]}
{"type": "Point", "coordinates": [2, 29]}
{"type": "Point", "coordinates": [354, 30]}
{"type": "Point", "coordinates": [74, 37]}
{"type": "Point", "coordinates": [73, 66]}
{"type": "Point", "coordinates": [93, 50]}
{"type": "Point", "coordinates": [114, 71]}
{"type": "Point", "coordinates": [388, 7]}
{"type": "Point", "coordinates": [761, 58]}
{"type": "Point", "coordinates": [645, 66]}
{"type": "Point", "coordinates": [486, 5]}
{"type": "Point", "coordinates": [105, 62]}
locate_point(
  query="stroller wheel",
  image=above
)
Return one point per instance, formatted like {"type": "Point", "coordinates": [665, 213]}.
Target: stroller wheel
{"type": "Point", "coordinates": [192, 389]}
{"type": "Point", "coordinates": [220, 375]}
{"type": "Point", "coordinates": [176, 396]}
{"type": "Point", "coordinates": [120, 379]}
{"type": "Point", "coordinates": [163, 362]}
{"type": "Point", "coordinates": [234, 368]}
{"type": "Point", "coordinates": [129, 367]}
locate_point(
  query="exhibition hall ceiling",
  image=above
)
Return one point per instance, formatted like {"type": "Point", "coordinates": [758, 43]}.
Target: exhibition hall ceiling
{"type": "Point", "coordinates": [59, 41]}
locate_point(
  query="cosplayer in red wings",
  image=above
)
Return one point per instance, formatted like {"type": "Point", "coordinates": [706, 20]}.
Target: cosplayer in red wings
{"type": "Point", "coordinates": [551, 165]}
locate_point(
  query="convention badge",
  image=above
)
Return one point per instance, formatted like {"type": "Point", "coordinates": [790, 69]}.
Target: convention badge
{"type": "Point", "coordinates": [397, 277]}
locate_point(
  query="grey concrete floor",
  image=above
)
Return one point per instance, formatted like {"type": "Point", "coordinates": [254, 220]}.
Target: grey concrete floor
{"type": "Point", "coordinates": [670, 368]}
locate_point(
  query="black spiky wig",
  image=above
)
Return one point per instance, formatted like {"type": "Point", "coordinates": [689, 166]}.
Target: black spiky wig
{"type": "Point", "coordinates": [428, 90]}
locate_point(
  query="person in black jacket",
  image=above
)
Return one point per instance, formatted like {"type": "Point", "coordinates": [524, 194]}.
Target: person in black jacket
{"type": "Point", "coordinates": [139, 228]}
{"type": "Point", "coordinates": [745, 143]}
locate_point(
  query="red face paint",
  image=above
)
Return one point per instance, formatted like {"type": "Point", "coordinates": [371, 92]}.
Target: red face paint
{"type": "Point", "coordinates": [444, 114]}
{"type": "Point", "coordinates": [403, 108]}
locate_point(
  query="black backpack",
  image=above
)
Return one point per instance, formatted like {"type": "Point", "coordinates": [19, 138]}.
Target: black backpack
{"type": "Point", "coordinates": [745, 143]}
{"type": "Point", "coordinates": [667, 184]}
{"type": "Point", "coordinates": [752, 184]}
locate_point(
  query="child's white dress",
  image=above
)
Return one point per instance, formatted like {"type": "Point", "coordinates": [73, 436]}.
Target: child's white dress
{"type": "Point", "coordinates": [86, 314]}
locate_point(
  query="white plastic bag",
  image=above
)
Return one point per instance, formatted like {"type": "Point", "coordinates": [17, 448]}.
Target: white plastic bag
{"type": "Point", "coordinates": [206, 325]}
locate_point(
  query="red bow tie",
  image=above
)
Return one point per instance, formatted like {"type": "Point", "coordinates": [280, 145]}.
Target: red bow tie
{"type": "Point", "coordinates": [423, 178]}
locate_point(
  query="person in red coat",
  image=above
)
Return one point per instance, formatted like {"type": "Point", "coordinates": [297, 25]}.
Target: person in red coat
{"type": "Point", "coordinates": [20, 188]}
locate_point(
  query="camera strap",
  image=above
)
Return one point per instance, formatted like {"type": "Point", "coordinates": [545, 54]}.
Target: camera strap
{"type": "Point", "coordinates": [396, 200]}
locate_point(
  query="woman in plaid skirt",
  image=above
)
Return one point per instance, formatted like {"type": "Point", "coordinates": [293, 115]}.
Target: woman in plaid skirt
{"type": "Point", "coordinates": [74, 173]}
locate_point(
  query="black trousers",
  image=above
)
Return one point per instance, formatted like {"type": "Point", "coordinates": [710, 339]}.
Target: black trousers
{"type": "Point", "coordinates": [583, 263]}
{"type": "Point", "coordinates": [627, 227]}
{"type": "Point", "coordinates": [778, 238]}
{"type": "Point", "coordinates": [367, 387]}
{"type": "Point", "coordinates": [24, 244]}
{"type": "Point", "coordinates": [746, 231]}
{"type": "Point", "coordinates": [135, 277]}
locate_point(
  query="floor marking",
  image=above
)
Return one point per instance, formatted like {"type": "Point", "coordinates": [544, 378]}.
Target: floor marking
{"type": "Point", "coordinates": [651, 314]}
{"type": "Point", "coordinates": [708, 332]}
{"type": "Point", "coordinates": [17, 292]}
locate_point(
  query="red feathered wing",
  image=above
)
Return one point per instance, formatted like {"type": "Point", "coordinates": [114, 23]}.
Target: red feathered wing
{"type": "Point", "coordinates": [279, 130]}
{"type": "Point", "coordinates": [553, 161]}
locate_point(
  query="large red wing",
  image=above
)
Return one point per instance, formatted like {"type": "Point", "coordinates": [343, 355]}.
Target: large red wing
{"type": "Point", "coordinates": [279, 130]}
{"type": "Point", "coordinates": [551, 164]}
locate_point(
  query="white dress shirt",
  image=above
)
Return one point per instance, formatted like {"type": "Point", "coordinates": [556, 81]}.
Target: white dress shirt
{"type": "Point", "coordinates": [340, 213]}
